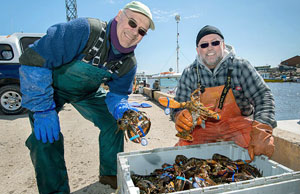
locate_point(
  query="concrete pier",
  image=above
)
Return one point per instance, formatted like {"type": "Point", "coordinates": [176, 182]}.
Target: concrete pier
{"type": "Point", "coordinates": [287, 144]}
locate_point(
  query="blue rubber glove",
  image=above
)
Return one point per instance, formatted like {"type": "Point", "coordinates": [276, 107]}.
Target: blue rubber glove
{"type": "Point", "coordinates": [46, 126]}
{"type": "Point", "coordinates": [122, 108]}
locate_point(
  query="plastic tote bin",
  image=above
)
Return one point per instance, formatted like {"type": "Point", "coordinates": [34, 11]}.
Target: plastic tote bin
{"type": "Point", "coordinates": [275, 175]}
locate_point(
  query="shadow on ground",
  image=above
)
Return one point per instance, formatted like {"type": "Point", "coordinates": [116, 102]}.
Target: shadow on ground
{"type": "Point", "coordinates": [95, 188]}
{"type": "Point", "coordinates": [12, 117]}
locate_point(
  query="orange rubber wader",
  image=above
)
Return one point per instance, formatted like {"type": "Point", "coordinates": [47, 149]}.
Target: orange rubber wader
{"type": "Point", "coordinates": [231, 127]}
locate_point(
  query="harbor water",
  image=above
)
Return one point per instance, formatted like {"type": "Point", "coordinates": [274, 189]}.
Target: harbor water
{"type": "Point", "coordinates": [286, 95]}
{"type": "Point", "coordinates": [287, 100]}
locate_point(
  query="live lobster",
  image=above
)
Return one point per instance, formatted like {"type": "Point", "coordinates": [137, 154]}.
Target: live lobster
{"type": "Point", "coordinates": [136, 124]}
{"type": "Point", "coordinates": [195, 107]}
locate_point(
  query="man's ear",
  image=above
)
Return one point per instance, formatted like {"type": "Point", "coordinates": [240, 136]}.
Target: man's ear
{"type": "Point", "coordinates": [198, 50]}
{"type": "Point", "coordinates": [118, 16]}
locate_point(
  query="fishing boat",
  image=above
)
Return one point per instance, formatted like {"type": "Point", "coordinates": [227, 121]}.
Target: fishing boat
{"type": "Point", "coordinates": [167, 81]}
{"type": "Point", "coordinates": [274, 80]}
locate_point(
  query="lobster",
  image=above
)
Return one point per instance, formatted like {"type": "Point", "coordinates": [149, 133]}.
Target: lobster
{"type": "Point", "coordinates": [137, 126]}
{"type": "Point", "coordinates": [195, 107]}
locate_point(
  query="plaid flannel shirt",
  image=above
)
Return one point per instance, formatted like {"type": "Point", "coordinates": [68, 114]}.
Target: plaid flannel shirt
{"type": "Point", "coordinates": [251, 93]}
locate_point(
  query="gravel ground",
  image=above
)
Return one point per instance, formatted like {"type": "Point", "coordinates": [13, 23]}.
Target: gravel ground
{"type": "Point", "coordinates": [81, 149]}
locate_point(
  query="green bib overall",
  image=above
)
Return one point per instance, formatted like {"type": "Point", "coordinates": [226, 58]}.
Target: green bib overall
{"type": "Point", "coordinates": [76, 83]}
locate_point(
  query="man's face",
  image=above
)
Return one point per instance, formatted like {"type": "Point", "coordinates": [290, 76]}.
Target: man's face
{"type": "Point", "coordinates": [127, 35]}
{"type": "Point", "coordinates": [211, 49]}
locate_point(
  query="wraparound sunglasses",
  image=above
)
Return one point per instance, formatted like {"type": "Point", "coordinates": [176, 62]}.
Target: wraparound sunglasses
{"type": "Point", "coordinates": [214, 43]}
{"type": "Point", "coordinates": [132, 24]}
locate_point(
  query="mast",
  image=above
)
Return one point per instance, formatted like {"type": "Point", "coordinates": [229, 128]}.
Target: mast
{"type": "Point", "coordinates": [177, 18]}
{"type": "Point", "coordinates": [71, 9]}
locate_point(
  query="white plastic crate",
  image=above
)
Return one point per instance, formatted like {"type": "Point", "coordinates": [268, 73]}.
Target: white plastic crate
{"type": "Point", "coordinates": [145, 162]}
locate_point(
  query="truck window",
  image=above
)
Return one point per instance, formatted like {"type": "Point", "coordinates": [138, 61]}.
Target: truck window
{"type": "Point", "coordinates": [26, 41]}
{"type": "Point", "coordinates": [6, 52]}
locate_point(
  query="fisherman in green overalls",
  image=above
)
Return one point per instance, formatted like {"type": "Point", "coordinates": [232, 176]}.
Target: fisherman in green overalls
{"type": "Point", "coordinates": [67, 65]}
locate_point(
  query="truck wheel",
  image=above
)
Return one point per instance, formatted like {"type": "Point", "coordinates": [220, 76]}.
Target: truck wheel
{"type": "Point", "coordinates": [10, 100]}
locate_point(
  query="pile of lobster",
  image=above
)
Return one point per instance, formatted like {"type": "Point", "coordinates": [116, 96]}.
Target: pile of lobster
{"type": "Point", "coordinates": [191, 173]}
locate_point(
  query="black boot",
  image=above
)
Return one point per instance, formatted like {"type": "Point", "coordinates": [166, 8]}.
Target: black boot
{"type": "Point", "coordinates": [109, 180]}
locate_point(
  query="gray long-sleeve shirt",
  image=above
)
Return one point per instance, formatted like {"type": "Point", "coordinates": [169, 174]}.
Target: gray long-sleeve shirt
{"type": "Point", "coordinates": [251, 93]}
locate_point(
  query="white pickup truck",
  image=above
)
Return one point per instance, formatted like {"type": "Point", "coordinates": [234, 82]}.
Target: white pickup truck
{"type": "Point", "coordinates": [11, 48]}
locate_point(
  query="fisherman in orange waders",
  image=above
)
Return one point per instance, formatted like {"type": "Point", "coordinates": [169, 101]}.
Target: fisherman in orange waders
{"type": "Point", "coordinates": [233, 88]}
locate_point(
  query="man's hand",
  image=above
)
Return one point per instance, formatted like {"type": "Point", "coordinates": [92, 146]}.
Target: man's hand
{"type": "Point", "coordinates": [121, 109]}
{"type": "Point", "coordinates": [134, 122]}
{"type": "Point", "coordinates": [184, 121]}
{"type": "Point", "coordinates": [46, 126]}
{"type": "Point", "coordinates": [262, 141]}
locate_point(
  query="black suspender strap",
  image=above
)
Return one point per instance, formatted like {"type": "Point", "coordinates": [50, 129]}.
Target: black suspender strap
{"type": "Point", "coordinates": [94, 52]}
{"type": "Point", "coordinates": [122, 66]}
{"type": "Point", "coordinates": [113, 68]}
{"type": "Point", "coordinates": [225, 89]}
{"type": "Point", "coordinates": [202, 87]}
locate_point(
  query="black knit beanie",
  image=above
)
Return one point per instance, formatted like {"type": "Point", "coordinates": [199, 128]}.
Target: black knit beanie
{"type": "Point", "coordinates": [208, 30]}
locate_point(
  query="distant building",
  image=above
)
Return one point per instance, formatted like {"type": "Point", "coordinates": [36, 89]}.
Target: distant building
{"type": "Point", "coordinates": [292, 62]}
{"type": "Point", "coordinates": [265, 68]}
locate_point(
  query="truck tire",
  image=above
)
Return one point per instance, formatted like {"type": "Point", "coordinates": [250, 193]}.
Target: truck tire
{"type": "Point", "coordinates": [10, 100]}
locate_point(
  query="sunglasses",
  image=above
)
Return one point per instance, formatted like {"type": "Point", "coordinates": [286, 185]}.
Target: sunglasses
{"type": "Point", "coordinates": [132, 24]}
{"type": "Point", "coordinates": [214, 43]}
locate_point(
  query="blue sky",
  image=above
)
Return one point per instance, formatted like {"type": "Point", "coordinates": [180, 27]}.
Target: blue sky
{"type": "Point", "coordinates": [265, 32]}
